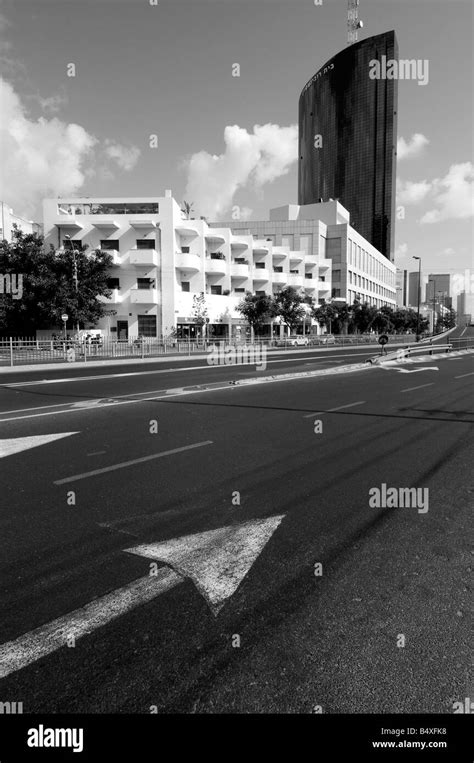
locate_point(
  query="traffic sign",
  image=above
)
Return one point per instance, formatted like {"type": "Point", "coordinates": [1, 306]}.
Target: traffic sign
{"type": "Point", "coordinates": [383, 339]}
{"type": "Point", "coordinates": [64, 317]}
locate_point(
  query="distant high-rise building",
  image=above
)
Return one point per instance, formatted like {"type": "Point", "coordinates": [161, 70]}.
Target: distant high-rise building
{"type": "Point", "coordinates": [438, 289]}
{"type": "Point", "coordinates": [348, 138]}
{"type": "Point", "coordinates": [402, 287]}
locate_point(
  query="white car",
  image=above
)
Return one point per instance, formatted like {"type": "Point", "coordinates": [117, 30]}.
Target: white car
{"type": "Point", "coordinates": [298, 341]}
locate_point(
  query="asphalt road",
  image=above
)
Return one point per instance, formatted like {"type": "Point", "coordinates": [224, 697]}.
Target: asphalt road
{"type": "Point", "coordinates": [286, 639]}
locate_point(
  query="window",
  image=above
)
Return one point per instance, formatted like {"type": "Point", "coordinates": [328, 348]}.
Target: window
{"type": "Point", "coordinates": [109, 243]}
{"type": "Point", "coordinates": [147, 325]}
{"type": "Point", "coordinates": [185, 286]}
{"type": "Point", "coordinates": [113, 283]}
{"type": "Point", "coordinates": [287, 241]}
{"type": "Point", "coordinates": [185, 250]}
{"type": "Point", "coordinates": [145, 243]}
{"type": "Point", "coordinates": [294, 272]}
{"type": "Point", "coordinates": [239, 290]}
{"type": "Point", "coordinates": [145, 283]}
{"type": "Point", "coordinates": [322, 278]}
{"type": "Point", "coordinates": [216, 289]}
{"type": "Point", "coordinates": [308, 275]}
{"type": "Point", "coordinates": [240, 261]}
{"type": "Point", "coordinates": [217, 256]}
{"type": "Point", "coordinates": [277, 269]}
{"type": "Point", "coordinates": [260, 293]}
{"type": "Point", "coordinates": [69, 245]}
{"type": "Point", "coordinates": [260, 265]}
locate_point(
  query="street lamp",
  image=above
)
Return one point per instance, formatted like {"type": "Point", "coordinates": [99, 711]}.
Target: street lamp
{"type": "Point", "coordinates": [74, 275]}
{"type": "Point", "coordinates": [418, 300]}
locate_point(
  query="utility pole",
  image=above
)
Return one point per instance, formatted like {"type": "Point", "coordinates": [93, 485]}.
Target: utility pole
{"type": "Point", "coordinates": [75, 277]}
{"type": "Point", "coordinates": [353, 22]}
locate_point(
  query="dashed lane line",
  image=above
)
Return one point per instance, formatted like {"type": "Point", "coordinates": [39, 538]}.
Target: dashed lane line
{"type": "Point", "coordinates": [124, 464]}
{"type": "Point", "coordinates": [330, 410]}
{"type": "Point", "coordinates": [420, 386]}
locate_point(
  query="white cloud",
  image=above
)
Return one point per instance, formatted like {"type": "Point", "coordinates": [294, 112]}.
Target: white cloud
{"type": "Point", "coordinates": [412, 148]}
{"type": "Point", "coordinates": [49, 157]}
{"type": "Point", "coordinates": [249, 160]}
{"type": "Point", "coordinates": [453, 195]}
{"type": "Point", "coordinates": [401, 252]}
{"type": "Point", "coordinates": [38, 157]}
{"type": "Point", "coordinates": [126, 158]}
{"type": "Point", "coordinates": [412, 193]}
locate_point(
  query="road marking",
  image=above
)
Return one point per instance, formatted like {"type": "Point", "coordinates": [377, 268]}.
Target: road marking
{"type": "Point", "coordinates": [16, 655]}
{"type": "Point", "coordinates": [217, 561]}
{"type": "Point", "coordinates": [124, 464]}
{"type": "Point", "coordinates": [420, 386]}
{"type": "Point", "coordinates": [330, 410]}
{"type": "Point", "coordinates": [97, 453]}
{"type": "Point", "coordinates": [464, 375]}
{"type": "Point", "coordinates": [98, 377]}
{"type": "Point", "coordinates": [19, 444]}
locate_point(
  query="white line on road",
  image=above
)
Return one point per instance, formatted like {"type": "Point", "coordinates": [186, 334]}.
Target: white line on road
{"type": "Point", "coordinates": [420, 386]}
{"type": "Point", "coordinates": [124, 464]}
{"type": "Point", "coordinates": [330, 410]}
{"type": "Point", "coordinates": [98, 377]}
{"type": "Point", "coordinates": [464, 375]}
{"type": "Point", "coordinates": [15, 655]}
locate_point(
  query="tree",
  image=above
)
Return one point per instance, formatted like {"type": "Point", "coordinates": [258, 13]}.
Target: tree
{"type": "Point", "coordinates": [446, 321]}
{"type": "Point", "coordinates": [332, 317]}
{"type": "Point", "coordinates": [256, 309]}
{"type": "Point", "coordinates": [199, 312]}
{"type": "Point", "coordinates": [48, 284]}
{"type": "Point", "coordinates": [289, 306]}
{"type": "Point", "coordinates": [187, 208]}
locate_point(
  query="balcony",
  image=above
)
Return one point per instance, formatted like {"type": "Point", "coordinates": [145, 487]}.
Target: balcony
{"type": "Point", "coordinates": [143, 224]}
{"type": "Point", "coordinates": [143, 257]}
{"type": "Point", "coordinates": [239, 269]}
{"type": "Point", "coordinates": [238, 245]}
{"type": "Point", "coordinates": [281, 278]}
{"type": "Point", "coordinates": [295, 280]}
{"type": "Point", "coordinates": [323, 285]}
{"type": "Point", "coordinates": [216, 266]}
{"type": "Point", "coordinates": [214, 238]}
{"type": "Point", "coordinates": [187, 261]}
{"type": "Point", "coordinates": [260, 248]}
{"type": "Point", "coordinates": [107, 225]}
{"type": "Point", "coordinates": [144, 296]}
{"type": "Point", "coordinates": [114, 299]}
{"type": "Point", "coordinates": [310, 261]}
{"type": "Point", "coordinates": [261, 274]}
{"type": "Point", "coordinates": [279, 253]}
{"type": "Point", "coordinates": [115, 254]}
{"type": "Point", "coordinates": [186, 231]}
{"type": "Point", "coordinates": [296, 256]}
{"type": "Point", "coordinates": [69, 224]}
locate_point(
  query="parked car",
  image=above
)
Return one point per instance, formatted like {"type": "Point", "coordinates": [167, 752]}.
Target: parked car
{"type": "Point", "coordinates": [298, 341]}
{"type": "Point", "coordinates": [328, 339]}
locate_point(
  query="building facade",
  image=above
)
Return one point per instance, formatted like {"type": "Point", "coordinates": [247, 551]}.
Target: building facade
{"type": "Point", "coordinates": [438, 289]}
{"type": "Point", "coordinates": [348, 139]}
{"type": "Point", "coordinates": [8, 219]}
{"type": "Point", "coordinates": [338, 262]}
{"type": "Point", "coordinates": [402, 287]}
{"type": "Point", "coordinates": [162, 261]}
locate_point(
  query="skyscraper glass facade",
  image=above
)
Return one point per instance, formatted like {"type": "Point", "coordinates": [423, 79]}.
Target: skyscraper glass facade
{"type": "Point", "coordinates": [348, 138]}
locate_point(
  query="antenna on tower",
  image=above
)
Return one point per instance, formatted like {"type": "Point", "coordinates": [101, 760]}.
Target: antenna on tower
{"type": "Point", "coordinates": [353, 22]}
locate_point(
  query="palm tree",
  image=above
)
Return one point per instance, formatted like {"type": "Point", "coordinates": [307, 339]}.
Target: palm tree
{"type": "Point", "coordinates": [187, 208]}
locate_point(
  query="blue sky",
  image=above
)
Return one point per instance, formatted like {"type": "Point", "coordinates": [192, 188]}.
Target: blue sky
{"type": "Point", "coordinates": [143, 70]}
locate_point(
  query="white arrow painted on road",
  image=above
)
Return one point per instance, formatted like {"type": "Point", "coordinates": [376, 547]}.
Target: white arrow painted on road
{"type": "Point", "coordinates": [18, 444]}
{"type": "Point", "coordinates": [217, 561]}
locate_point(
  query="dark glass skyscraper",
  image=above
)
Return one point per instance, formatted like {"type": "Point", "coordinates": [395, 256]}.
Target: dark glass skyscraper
{"type": "Point", "coordinates": [356, 117]}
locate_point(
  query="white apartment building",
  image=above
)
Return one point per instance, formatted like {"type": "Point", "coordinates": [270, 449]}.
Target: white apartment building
{"type": "Point", "coordinates": [8, 219]}
{"type": "Point", "coordinates": [161, 260]}
{"type": "Point", "coordinates": [347, 266]}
